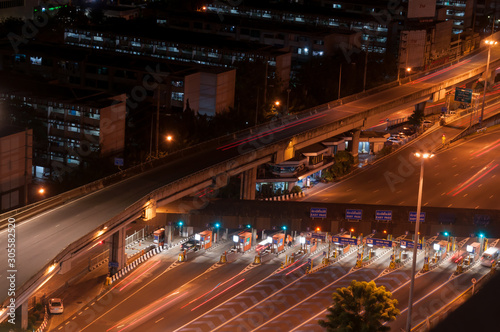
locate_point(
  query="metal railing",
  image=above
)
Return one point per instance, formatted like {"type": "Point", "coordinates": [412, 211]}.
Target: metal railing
{"type": "Point", "coordinates": [433, 320]}
{"type": "Point", "coordinates": [137, 236]}
{"type": "Point", "coordinates": [98, 259]}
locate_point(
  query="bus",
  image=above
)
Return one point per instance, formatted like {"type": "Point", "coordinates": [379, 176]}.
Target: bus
{"type": "Point", "coordinates": [489, 256]}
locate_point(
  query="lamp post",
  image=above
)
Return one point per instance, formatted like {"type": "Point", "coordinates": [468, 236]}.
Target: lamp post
{"type": "Point", "coordinates": [422, 156]}
{"type": "Point", "coordinates": [408, 71]}
{"type": "Point", "coordinates": [489, 43]}
{"type": "Point", "coordinates": [340, 80]}
{"type": "Point", "coordinates": [288, 100]}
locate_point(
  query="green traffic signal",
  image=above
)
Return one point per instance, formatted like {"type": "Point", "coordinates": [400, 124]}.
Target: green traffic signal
{"type": "Point", "coordinates": [249, 226]}
{"type": "Point", "coordinates": [180, 223]}
{"type": "Point", "coordinates": [217, 225]}
{"type": "Point", "coordinates": [284, 228]}
{"type": "Point", "coordinates": [446, 233]}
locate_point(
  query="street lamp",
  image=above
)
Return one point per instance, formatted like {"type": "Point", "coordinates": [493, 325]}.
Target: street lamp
{"type": "Point", "coordinates": [422, 156]}
{"type": "Point", "coordinates": [408, 71]}
{"type": "Point", "coordinates": [217, 226]}
{"type": "Point", "coordinates": [489, 43]}
{"type": "Point", "coordinates": [169, 138]}
{"type": "Point", "coordinates": [288, 100]}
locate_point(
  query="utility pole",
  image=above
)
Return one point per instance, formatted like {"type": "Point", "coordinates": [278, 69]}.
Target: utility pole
{"type": "Point", "coordinates": [364, 75]}
{"type": "Point", "coordinates": [158, 121]}
{"type": "Point", "coordinates": [257, 106]}
{"type": "Point", "coordinates": [26, 167]}
{"type": "Point", "coordinates": [265, 85]}
{"type": "Point", "coordinates": [340, 80]}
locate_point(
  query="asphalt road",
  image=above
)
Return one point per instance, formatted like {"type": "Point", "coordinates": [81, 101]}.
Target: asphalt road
{"type": "Point", "coordinates": [40, 239]}
{"type": "Point", "coordinates": [465, 175]}
{"type": "Point", "coordinates": [163, 292]}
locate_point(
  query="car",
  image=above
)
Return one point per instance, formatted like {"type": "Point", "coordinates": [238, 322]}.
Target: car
{"type": "Point", "coordinates": [427, 123]}
{"type": "Point", "coordinates": [56, 306]}
{"type": "Point", "coordinates": [394, 140]}
{"type": "Point", "coordinates": [190, 245]}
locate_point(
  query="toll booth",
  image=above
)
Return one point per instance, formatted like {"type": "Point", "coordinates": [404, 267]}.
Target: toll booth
{"type": "Point", "coordinates": [159, 237]}
{"type": "Point", "coordinates": [245, 242]}
{"type": "Point", "coordinates": [206, 239]}
{"type": "Point", "coordinates": [278, 242]}
{"type": "Point", "coordinates": [473, 250]}
{"type": "Point", "coordinates": [312, 244]}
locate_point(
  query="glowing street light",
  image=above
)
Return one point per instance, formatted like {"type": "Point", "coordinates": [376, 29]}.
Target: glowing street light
{"type": "Point", "coordinates": [41, 191]}
{"type": "Point", "coordinates": [422, 156]}
{"type": "Point", "coordinates": [490, 43]}
{"type": "Point", "coordinates": [169, 138]}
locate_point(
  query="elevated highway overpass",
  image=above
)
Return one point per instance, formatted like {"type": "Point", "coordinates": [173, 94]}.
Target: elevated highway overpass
{"type": "Point", "coordinates": [49, 241]}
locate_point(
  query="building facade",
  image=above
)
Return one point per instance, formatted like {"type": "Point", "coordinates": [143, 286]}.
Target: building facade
{"type": "Point", "coordinates": [15, 166]}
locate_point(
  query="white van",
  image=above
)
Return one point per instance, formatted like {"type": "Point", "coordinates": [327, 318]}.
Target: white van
{"type": "Point", "coordinates": [490, 256]}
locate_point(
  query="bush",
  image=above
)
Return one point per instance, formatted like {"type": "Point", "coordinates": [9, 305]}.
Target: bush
{"type": "Point", "coordinates": [296, 190]}
{"type": "Point", "coordinates": [385, 150]}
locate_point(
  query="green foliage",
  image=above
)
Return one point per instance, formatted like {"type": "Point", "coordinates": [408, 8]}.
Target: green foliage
{"type": "Point", "coordinates": [343, 162]}
{"type": "Point", "coordinates": [296, 189]}
{"type": "Point", "coordinates": [416, 118]}
{"type": "Point", "coordinates": [385, 150]}
{"type": "Point", "coordinates": [361, 307]}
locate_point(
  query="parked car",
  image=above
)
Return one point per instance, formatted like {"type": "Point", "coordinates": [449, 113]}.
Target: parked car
{"type": "Point", "coordinates": [56, 306]}
{"type": "Point", "coordinates": [190, 245]}
{"type": "Point", "coordinates": [394, 140]}
{"type": "Point", "coordinates": [427, 123]}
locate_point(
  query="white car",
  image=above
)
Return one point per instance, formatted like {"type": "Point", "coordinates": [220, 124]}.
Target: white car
{"type": "Point", "coordinates": [56, 306]}
{"type": "Point", "coordinates": [394, 140]}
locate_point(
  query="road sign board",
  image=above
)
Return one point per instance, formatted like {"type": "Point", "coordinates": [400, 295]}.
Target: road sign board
{"type": "Point", "coordinates": [344, 240]}
{"type": "Point", "coordinates": [379, 242]}
{"type": "Point", "coordinates": [118, 161]}
{"type": "Point", "coordinates": [463, 95]}
{"type": "Point", "coordinates": [384, 215]}
{"type": "Point", "coordinates": [113, 264]}
{"type": "Point", "coordinates": [319, 236]}
{"type": "Point", "coordinates": [413, 216]}
{"type": "Point", "coordinates": [353, 214]}
{"type": "Point", "coordinates": [409, 244]}
{"type": "Point", "coordinates": [317, 213]}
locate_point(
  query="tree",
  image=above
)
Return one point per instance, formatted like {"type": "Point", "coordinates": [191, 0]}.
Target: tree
{"type": "Point", "coordinates": [361, 307]}
{"type": "Point", "coordinates": [343, 163]}
{"type": "Point", "coordinates": [416, 118]}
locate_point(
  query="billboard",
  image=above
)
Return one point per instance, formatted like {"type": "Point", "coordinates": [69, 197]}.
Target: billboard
{"type": "Point", "coordinates": [353, 214]}
{"type": "Point", "coordinates": [412, 48]}
{"type": "Point", "coordinates": [317, 213]}
{"type": "Point", "coordinates": [421, 8]}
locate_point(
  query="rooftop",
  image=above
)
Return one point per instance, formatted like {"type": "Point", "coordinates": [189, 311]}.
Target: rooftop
{"type": "Point", "coordinates": [25, 86]}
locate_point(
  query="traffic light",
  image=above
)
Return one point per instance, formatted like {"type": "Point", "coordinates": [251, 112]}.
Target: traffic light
{"type": "Point", "coordinates": [385, 232]}
{"type": "Point", "coordinates": [217, 225]}
{"type": "Point", "coordinates": [284, 228]}
{"type": "Point", "coordinates": [352, 230]}
{"type": "Point", "coordinates": [249, 226]}
{"type": "Point", "coordinates": [180, 223]}
{"type": "Point", "coordinates": [445, 233]}
{"type": "Point", "coordinates": [481, 235]}
{"type": "Point", "coordinates": [318, 229]}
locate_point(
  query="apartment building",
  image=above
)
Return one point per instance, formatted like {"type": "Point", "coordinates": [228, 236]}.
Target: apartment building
{"type": "Point", "coordinates": [15, 165]}
{"type": "Point", "coordinates": [76, 124]}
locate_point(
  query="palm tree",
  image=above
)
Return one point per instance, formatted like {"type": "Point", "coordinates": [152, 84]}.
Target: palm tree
{"type": "Point", "coordinates": [361, 307]}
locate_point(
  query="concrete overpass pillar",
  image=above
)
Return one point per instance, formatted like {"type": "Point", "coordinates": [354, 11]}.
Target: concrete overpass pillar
{"type": "Point", "coordinates": [420, 106]}
{"type": "Point", "coordinates": [21, 319]}
{"type": "Point", "coordinates": [490, 76]}
{"type": "Point", "coordinates": [248, 179]}
{"type": "Point", "coordinates": [355, 144]}
{"type": "Point", "coordinates": [117, 252]}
